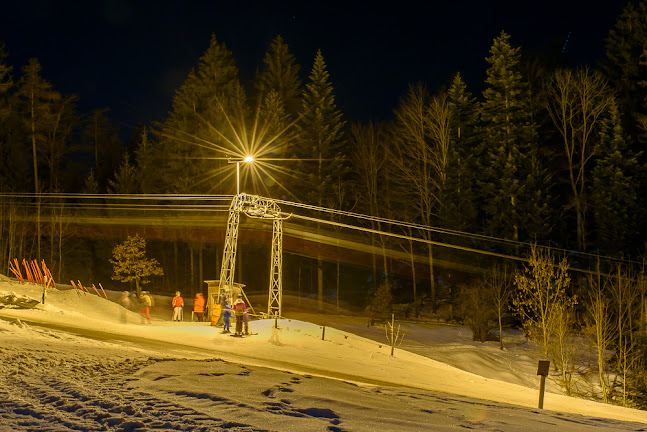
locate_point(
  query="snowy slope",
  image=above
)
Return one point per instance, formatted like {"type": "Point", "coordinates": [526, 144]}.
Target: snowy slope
{"type": "Point", "coordinates": [100, 373]}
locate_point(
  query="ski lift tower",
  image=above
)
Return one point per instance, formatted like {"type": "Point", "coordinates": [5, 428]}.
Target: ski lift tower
{"type": "Point", "coordinates": [259, 208]}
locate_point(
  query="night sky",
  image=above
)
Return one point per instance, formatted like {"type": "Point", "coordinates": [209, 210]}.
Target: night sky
{"type": "Point", "coordinates": [131, 56]}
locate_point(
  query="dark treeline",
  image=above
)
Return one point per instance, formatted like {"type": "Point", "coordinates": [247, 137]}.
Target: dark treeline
{"type": "Point", "coordinates": [546, 153]}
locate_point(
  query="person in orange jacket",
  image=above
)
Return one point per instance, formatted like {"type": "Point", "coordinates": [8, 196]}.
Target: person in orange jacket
{"type": "Point", "coordinates": [178, 305]}
{"type": "Point", "coordinates": [198, 306]}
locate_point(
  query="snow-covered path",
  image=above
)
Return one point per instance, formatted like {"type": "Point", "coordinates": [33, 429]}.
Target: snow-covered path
{"type": "Point", "coordinates": [58, 382]}
{"type": "Point", "coordinates": [187, 376]}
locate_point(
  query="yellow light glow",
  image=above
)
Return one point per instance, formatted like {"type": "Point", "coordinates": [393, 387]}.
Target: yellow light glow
{"type": "Point", "coordinates": [249, 159]}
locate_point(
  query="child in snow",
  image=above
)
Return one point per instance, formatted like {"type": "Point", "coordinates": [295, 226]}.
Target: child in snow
{"type": "Point", "coordinates": [239, 311]}
{"type": "Point", "coordinates": [226, 315]}
{"type": "Point", "coordinates": [178, 305]}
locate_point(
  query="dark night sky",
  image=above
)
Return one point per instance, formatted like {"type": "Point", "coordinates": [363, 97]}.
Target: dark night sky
{"type": "Point", "coordinates": [132, 55]}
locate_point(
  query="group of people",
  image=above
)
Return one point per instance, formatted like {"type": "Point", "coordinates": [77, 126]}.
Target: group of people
{"type": "Point", "coordinates": [241, 315]}
{"type": "Point", "coordinates": [199, 305]}
{"type": "Point", "coordinates": [145, 301]}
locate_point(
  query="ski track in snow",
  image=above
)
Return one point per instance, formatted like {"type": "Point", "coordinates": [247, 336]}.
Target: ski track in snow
{"type": "Point", "coordinates": [53, 382]}
{"type": "Point", "coordinates": [54, 388]}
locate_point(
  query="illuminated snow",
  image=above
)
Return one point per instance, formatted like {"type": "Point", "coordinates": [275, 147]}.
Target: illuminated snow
{"type": "Point", "coordinates": [187, 376]}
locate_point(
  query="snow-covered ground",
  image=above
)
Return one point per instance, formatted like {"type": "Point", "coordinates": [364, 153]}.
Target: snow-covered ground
{"type": "Point", "coordinates": [72, 364]}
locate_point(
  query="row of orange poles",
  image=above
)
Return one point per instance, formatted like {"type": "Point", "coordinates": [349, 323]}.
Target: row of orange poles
{"type": "Point", "coordinates": [34, 272]}
{"type": "Point", "coordinates": [42, 276]}
{"type": "Point", "coordinates": [81, 289]}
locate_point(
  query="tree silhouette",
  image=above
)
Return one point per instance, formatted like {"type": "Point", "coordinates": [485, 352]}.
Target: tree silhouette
{"type": "Point", "coordinates": [130, 263]}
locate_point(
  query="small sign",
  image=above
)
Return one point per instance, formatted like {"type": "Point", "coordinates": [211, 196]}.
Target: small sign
{"type": "Point", "coordinates": [544, 366]}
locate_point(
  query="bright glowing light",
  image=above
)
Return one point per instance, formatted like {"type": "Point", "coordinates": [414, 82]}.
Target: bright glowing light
{"type": "Point", "coordinates": [238, 143]}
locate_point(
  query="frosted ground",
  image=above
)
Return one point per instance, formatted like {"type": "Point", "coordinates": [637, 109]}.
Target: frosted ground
{"type": "Point", "coordinates": [72, 365]}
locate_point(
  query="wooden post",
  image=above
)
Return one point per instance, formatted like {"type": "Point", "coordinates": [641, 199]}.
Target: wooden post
{"type": "Point", "coordinates": [323, 333]}
{"type": "Point", "coordinates": [542, 370]}
{"type": "Point", "coordinates": [542, 388]}
{"type": "Point", "coordinates": [392, 330]}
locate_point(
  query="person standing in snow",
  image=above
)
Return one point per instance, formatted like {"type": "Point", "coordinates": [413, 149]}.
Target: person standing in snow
{"type": "Point", "coordinates": [178, 306]}
{"type": "Point", "coordinates": [126, 304]}
{"type": "Point", "coordinates": [239, 312]}
{"type": "Point", "coordinates": [246, 322]}
{"type": "Point", "coordinates": [198, 306]}
{"type": "Point", "coordinates": [144, 307]}
{"type": "Point", "coordinates": [226, 316]}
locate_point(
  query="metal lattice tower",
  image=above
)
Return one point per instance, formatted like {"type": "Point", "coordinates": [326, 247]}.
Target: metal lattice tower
{"type": "Point", "coordinates": [261, 208]}
{"type": "Point", "coordinates": [276, 269]}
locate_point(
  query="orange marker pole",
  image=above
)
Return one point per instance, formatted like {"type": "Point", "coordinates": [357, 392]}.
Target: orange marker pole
{"type": "Point", "coordinates": [104, 292]}
{"type": "Point", "coordinates": [82, 287]}
{"type": "Point", "coordinates": [27, 271]}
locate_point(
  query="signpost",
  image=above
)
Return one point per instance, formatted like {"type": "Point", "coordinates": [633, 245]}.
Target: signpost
{"type": "Point", "coordinates": [542, 370]}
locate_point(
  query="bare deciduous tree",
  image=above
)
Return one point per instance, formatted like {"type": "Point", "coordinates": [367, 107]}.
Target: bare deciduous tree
{"type": "Point", "coordinates": [370, 155]}
{"type": "Point", "coordinates": [624, 290]}
{"type": "Point", "coordinates": [575, 102]}
{"type": "Point", "coordinates": [498, 284]}
{"type": "Point", "coordinates": [600, 329]}
{"type": "Point", "coordinates": [563, 345]}
{"type": "Point", "coordinates": [422, 138]}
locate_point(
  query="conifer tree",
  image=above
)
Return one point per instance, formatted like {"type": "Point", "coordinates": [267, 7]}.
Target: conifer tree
{"type": "Point", "coordinates": [459, 207]}
{"type": "Point", "coordinates": [279, 136]}
{"type": "Point", "coordinates": [198, 126]}
{"type": "Point", "coordinates": [127, 178]}
{"type": "Point", "coordinates": [9, 148]}
{"type": "Point", "coordinates": [622, 65]}
{"type": "Point", "coordinates": [615, 190]}
{"type": "Point", "coordinates": [280, 73]}
{"type": "Point", "coordinates": [320, 138]}
{"type": "Point", "coordinates": [101, 139]}
{"type": "Point", "coordinates": [131, 264]}
{"type": "Point", "coordinates": [321, 159]}
{"type": "Point", "coordinates": [146, 165]}
{"type": "Point", "coordinates": [510, 180]}
{"type": "Point", "coordinates": [90, 185]}
{"type": "Point", "coordinates": [6, 82]}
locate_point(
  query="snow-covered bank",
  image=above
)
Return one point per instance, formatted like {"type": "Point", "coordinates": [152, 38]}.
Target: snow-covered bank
{"type": "Point", "coordinates": [297, 350]}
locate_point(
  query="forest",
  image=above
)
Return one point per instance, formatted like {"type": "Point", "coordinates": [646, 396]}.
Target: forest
{"type": "Point", "coordinates": [544, 153]}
